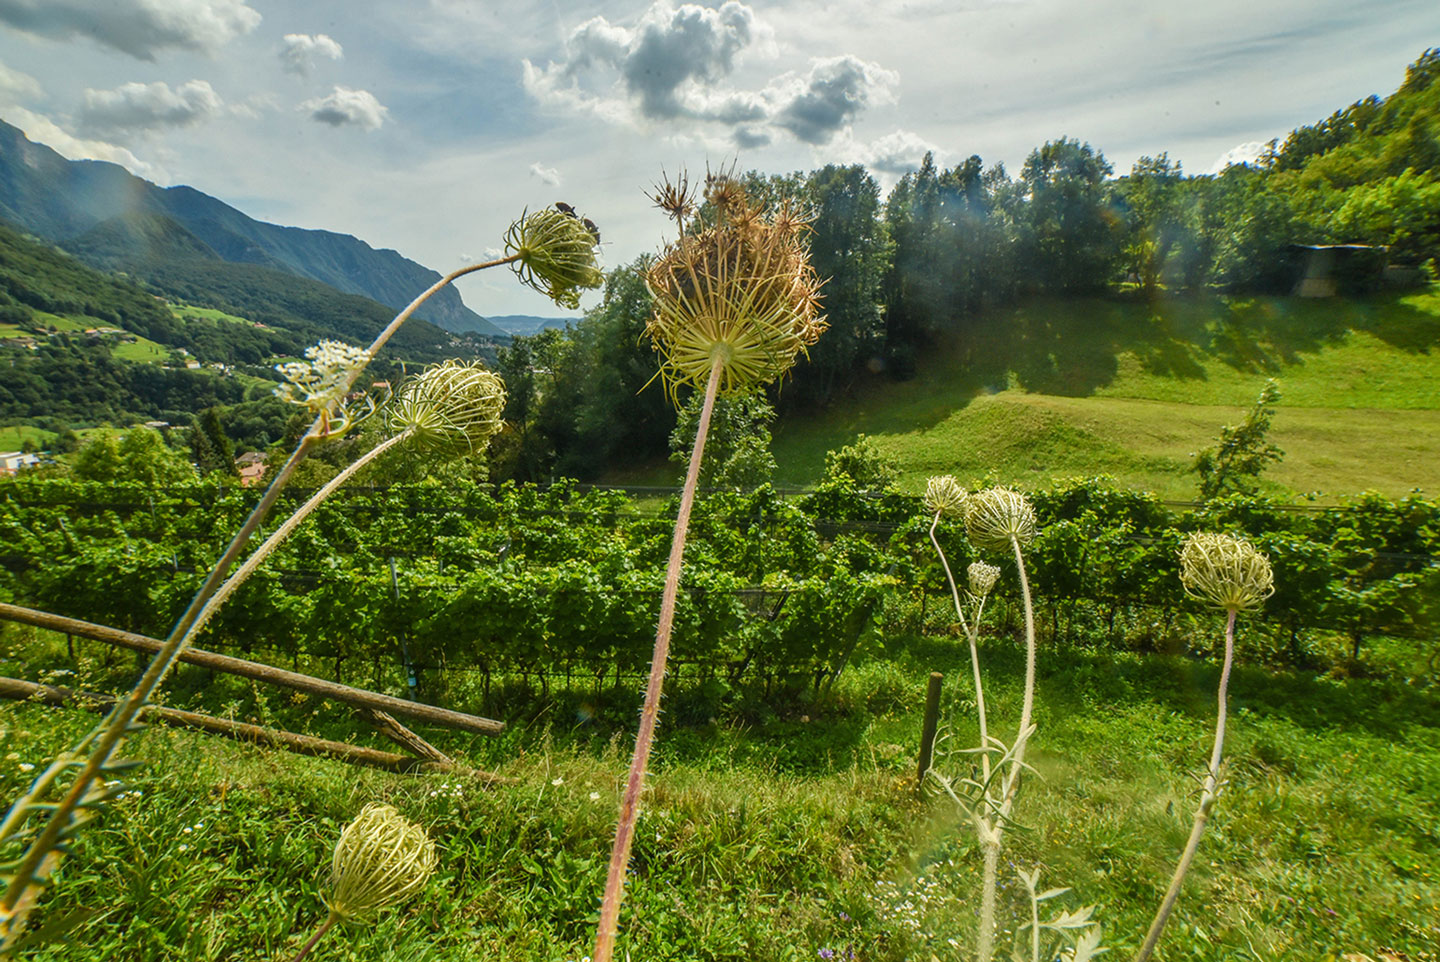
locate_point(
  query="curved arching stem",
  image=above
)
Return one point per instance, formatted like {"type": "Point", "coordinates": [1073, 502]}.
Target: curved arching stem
{"type": "Point", "coordinates": [630, 804]}
{"type": "Point", "coordinates": [1208, 796]}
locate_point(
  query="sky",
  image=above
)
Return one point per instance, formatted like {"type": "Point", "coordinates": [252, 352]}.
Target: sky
{"type": "Point", "coordinates": [427, 126]}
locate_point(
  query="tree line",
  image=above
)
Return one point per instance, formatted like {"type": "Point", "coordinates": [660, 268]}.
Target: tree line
{"type": "Point", "coordinates": [930, 260]}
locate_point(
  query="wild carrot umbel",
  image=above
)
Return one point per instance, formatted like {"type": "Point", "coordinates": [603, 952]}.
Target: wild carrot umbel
{"type": "Point", "coordinates": [380, 861]}
{"type": "Point", "coordinates": [322, 387]}
{"type": "Point", "coordinates": [1227, 573]}
{"type": "Point", "coordinates": [735, 304]}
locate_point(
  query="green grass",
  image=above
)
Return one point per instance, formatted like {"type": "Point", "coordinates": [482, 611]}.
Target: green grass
{"type": "Point", "coordinates": [776, 827]}
{"type": "Point", "coordinates": [142, 350]}
{"type": "Point", "coordinates": [189, 312]}
{"type": "Point", "coordinates": [13, 437]}
{"type": "Point", "coordinates": [1132, 389]}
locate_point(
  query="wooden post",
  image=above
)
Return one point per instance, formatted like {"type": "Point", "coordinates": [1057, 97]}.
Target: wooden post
{"type": "Point", "coordinates": [929, 728]}
{"type": "Point", "coordinates": [358, 697]}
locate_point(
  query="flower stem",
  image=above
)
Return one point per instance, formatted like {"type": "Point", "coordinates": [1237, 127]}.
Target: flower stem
{"type": "Point", "coordinates": [1208, 797]}
{"type": "Point", "coordinates": [971, 633]}
{"type": "Point", "coordinates": [630, 804]}
{"type": "Point", "coordinates": [330, 920]}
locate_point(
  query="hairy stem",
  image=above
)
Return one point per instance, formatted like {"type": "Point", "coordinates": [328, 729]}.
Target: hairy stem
{"type": "Point", "coordinates": [106, 738]}
{"type": "Point", "coordinates": [330, 920]}
{"type": "Point", "coordinates": [630, 804]}
{"type": "Point", "coordinates": [1208, 795]}
{"type": "Point", "coordinates": [985, 940]}
{"type": "Point", "coordinates": [971, 634]}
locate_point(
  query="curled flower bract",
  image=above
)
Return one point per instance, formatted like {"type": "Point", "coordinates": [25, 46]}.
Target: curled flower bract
{"type": "Point", "coordinates": [995, 516]}
{"type": "Point", "coordinates": [944, 496]}
{"type": "Point", "coordinates": [982, 578]}
{"type": "Point", "coordinates": [1225, 571]}
{"type": "Point", "coordinates": [556, 254]}
{"type": "Point", "coordinates": [380, 860]}
{"type": "Point", "coordinates": [453, 407]}
{"type": "Point", "coordinates": [739, 291]}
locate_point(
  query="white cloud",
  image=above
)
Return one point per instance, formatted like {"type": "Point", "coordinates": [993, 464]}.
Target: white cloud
{"type": "Point", "coordinates": [300, 51]}
{"type": "Point", "coordinates": [134, 108]}
{"type": "Point", "coordinates": [675, 65]}
{"type": "Point", "coordinates": [15, 85]}
{"type": "Point", "coordinates": [43, 130]}
{"type": "Point", "coordinates": [137, 27]}
{"type": "Point", "coordinates": [547, 175]}
{"type": "Point", "coordinates": [1245, 153]}
{"type": "Point", "coordinates": [346, 107]}
{"type": "Point", "coordinates": [896, 154]}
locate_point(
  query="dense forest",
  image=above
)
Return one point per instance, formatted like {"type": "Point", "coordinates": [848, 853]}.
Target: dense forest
{"type": "Point", "coordinates": [930, 260]}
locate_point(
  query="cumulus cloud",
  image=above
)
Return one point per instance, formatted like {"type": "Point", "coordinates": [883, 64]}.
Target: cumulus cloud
{"type": "Point", "coordinates": [897, 153]}
{"type": "Point", "coordinates": [299, 52]}
{"type": "Point", "coordinates": [140, 28]}
{"type": "Point", "coordinates": [830, 95]}
{"type": "Point", "coordinates": [344, 107]}
{"type": "Point", "coordinates": [43, 130]}
{"type": "Point", "coordinates": [15, 85]}
{"type": "Point", "coordinates": [1245, 153]}
{"type": "Point", "coordinates": [676, 63]}
{"type": "Point", "coordinates": [547, 175]}
{"type": "Point", "coordinates": [135, 107]}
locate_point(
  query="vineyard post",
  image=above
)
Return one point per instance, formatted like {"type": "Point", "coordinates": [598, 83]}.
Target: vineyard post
{"type": "Point", "coordinates": [928, 729]}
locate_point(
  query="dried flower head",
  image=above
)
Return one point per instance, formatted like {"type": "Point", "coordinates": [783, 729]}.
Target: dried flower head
{"type": "Point", "coordinates": [380, 860]}
{"type": "Point", "coordinates": [557, 254]}
{"type": "Point", "coordinates": [739, 291]}
{"type": "Point", "coordinates": [995, 516]}
{"type": "Point", "coordinates": [982, 578]}
{"type": "Point", "coordinates": [944, 496]}
{"type": "Point", "coordinates": [452, 407]}
{"type": "Point", "coordinates": [321, 383]}
{"type": "Point", "coordinates": [1225, 571]}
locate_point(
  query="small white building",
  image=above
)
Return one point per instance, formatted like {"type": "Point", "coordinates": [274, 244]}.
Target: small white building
{"type": "Point", "coordinates": [13, 461]}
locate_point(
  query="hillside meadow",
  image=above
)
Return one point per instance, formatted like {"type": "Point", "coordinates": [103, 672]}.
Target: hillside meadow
{"type": "Point", "coordinates": [1132, 389]}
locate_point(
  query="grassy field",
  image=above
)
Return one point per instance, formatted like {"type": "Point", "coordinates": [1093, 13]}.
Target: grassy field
{"type": "Point", "coordinates": [777, 828]}
{"type": "Point", "coordinates": [1132, 389]}
{"type": "Point", "coordinates": [13, 437]}
{"type": "Point", "coordinates": [189, 312]}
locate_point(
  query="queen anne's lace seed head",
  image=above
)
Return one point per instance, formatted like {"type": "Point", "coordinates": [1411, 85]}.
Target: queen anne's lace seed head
{"type": "Point", "coordinates": [380, 860]}
{"type": "Point", "coordinates": [982, 578]}
{"type": "Point", "coordinates": [557, 255]}
{"type": "Point", "coordinates": [995, 516]}
{"type": "Point", "coordinates": [1225, 571]}
{"type": "Point", "coordinates": [452, 407]}
{"type": "Point", "coordinates": [739, 291]}
{"type": "Point", "coordinates": [944, 496]}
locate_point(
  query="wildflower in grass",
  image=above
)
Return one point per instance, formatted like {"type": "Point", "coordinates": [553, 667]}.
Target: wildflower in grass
{"type": "Point", "coordinates": [944, 497]}
{"type": "Point", "coordinates": [1225, 571]}
{"type": "Point", "coordinates": [997, 516]}
{"type": "Point", "coordinates": [734, 304]}
{"type": "Point", "coordinates": [380, 861]}
{"type": "Point", "coordinates": [554, 252]}
{"type": "Point", "coordinates": [1230, 574]}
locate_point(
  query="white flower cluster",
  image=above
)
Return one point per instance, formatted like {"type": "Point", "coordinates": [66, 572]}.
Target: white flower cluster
{"type": "Point", "coordinates": [324, 378]}
{"type": "Point", "coordinates": [446, 790]}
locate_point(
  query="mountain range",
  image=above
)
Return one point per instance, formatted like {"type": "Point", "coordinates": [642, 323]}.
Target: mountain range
{"type": "Point", "coordinates": [114, 220]}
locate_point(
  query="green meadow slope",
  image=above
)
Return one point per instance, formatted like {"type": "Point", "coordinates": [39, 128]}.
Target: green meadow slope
{"type": "Point", "coordinates": [1132, 389]}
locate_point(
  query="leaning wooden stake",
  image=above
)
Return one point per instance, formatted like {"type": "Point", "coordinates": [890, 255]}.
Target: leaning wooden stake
{"type": "Point", "coordinates": [18, 690]}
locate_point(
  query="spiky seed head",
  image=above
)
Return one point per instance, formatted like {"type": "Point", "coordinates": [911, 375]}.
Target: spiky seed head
{"type": "Point", "coordinates": [995, 516]}
{"type": "Point", "coordinates": [1225, 571]}
{"type": "Point", "coordinates": [380, 861]}
{"type": "Point", "coordinates": [982, 578]}
{"type": "Point", "coordinates": [740, 291]}
{"type": "Point", "coordinates": [944, 496]}
{"type": "Point", "coordinates": [452, 407]}
{"type": "Point", "coordinates": [557, 255]}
